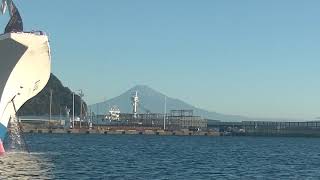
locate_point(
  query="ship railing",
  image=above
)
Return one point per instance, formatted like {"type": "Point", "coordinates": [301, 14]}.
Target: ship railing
{"type": "Point", "coordinates": [35, 32]}
{"type": "Point", "coordinates": [40, 33]}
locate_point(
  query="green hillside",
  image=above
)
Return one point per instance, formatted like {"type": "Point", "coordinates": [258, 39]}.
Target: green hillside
{"type": "Point", "coordinates": [61, 98]}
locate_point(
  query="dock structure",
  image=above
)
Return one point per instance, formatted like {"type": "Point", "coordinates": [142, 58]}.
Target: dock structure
{"type": "Point", "coordinates": [267, 128]}
{"type": "Point", "coordinates": [123, 132]}
{"type": "Point", "coordinates": [178, 122]}
{"type": "Point", "coordinates": [184, 119]}
{"type": "Point", "coordinates": [175, 120]}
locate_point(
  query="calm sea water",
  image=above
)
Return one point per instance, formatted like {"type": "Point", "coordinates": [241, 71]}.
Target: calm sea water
{"type": "Point", "coordinates": [70, 156]}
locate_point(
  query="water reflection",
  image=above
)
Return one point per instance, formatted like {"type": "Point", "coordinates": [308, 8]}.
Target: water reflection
{"type": "Point", "coordinates": [21, 165]}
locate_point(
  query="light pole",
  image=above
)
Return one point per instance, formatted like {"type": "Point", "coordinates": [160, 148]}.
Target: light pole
{"type": "Point", "coordinates": [50, 106]}
{"type": "Point", "coordinates": [72, 109]}
{"type": "Point", "coordinates": [165, 112]}
{"type": "Point", "coordinates": [81, 95]}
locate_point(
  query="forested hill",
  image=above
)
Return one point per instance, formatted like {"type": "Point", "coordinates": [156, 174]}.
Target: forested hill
{"type": "Point", "coordinates": [61, 98]}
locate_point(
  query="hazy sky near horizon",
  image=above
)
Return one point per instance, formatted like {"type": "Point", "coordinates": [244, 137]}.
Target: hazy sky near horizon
{"type": "Point", "coordinates": [251, 57]}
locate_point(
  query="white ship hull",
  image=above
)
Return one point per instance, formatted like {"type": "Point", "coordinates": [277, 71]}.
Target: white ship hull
{"type": "Point", "coordinates": [25, 66]}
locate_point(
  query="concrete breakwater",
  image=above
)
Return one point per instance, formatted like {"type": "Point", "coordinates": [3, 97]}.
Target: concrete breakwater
{"type": "Point", "coordinates": [298, 132]}
{"type": "Point", "coordinates": [267, 128]}
{"type": "Point", "coordinates": [287, 133]}
{"type": "Point", "coordinates": [214, 128]}
{"type": "Point", "coordinates": [123, 132]}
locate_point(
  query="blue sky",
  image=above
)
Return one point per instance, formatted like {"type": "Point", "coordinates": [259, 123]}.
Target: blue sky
{"type": "Point", "coordinates": [250, 57]}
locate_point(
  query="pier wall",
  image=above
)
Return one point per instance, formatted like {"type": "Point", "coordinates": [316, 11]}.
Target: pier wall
{"type": "Point", "coordinates": [122, 132]}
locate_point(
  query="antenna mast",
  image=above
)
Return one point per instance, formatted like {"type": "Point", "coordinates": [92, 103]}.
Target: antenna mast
{"type": "Point", "coordinates": [165, 113]}
{"type": "Point", "coordinates": [135, 101]}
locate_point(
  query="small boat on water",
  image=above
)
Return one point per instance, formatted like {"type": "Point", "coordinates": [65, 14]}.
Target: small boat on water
{"type": "Point", "coordinates": [25, 65]}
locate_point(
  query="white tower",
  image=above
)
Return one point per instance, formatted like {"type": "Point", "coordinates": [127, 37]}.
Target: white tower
{"type": "Point", "coordinates": [135, 101]}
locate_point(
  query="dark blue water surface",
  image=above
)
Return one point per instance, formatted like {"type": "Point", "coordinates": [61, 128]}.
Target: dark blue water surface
{"type": "Point", "coordinates": [71, 156]}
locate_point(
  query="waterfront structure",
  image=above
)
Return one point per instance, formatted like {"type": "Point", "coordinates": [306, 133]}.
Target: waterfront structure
{"type": "Point", "coordinates": [135, 101]}
{"type": "Point", "coordinates": [114, 114]}
{"type": "Point", "coordinates": [42, 122]}
{"type": "Point", "coordinates": [307, 128]}
{"type": "Point", "coordinates": [173, 121]}
{"type": "Point", "coordinates": [25, 65]}
{"type": "Point", "coordinates": [184, 119]}
{"type": "Point", "coordinates": [267, 128]}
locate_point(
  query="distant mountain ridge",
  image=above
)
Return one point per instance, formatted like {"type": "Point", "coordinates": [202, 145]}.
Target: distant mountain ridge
{"type": "Point", "coordinates": [153, 101]}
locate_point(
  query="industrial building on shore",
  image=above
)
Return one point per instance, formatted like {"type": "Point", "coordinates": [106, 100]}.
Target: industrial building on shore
{"type": "Point", "coordinates": [174, 121]}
